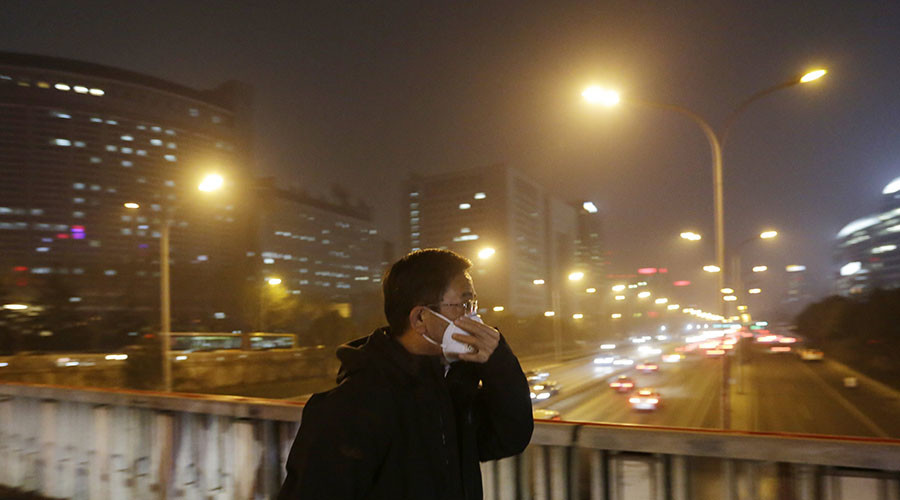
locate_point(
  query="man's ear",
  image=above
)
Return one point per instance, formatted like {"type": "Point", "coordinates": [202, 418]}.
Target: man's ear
{"type": "Point", "coordinates": [417, 319]}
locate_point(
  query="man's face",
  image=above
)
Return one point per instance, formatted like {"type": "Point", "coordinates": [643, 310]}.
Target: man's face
{"type": "Point", "coordinates": [458, 292]}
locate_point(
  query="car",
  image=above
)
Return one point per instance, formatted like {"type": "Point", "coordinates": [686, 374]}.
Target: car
{"type": "Point", "coordinates": [545, 414]}
{"type": "Point", "coordinates": [811, 355]}
{"type": "Point", "coordinates": [622, 384]}
{"type": "Point", "coordinates": [645, 399]}
{"type": "Point", "coordinates": [604, 360]}
{"type": "Point", "coordinates": [536, 375]}
{"type": "Point", "coordinates": [672, 357]}
{"type": "Point", "coordinates": [542, 390]}
{"type": "Point", "coordinates": [648, 367]}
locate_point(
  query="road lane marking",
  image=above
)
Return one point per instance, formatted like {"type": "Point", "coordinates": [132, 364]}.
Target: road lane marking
{"type": "Point", "coordinates": [846, 404]}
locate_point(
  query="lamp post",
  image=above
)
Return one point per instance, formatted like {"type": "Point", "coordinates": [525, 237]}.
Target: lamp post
{"type": "Point", "coordinates": [612, 98]}
{"type": "Point", "coordinates": [211, 182]}
{"type": "Point", "coordinates": [736, 260]}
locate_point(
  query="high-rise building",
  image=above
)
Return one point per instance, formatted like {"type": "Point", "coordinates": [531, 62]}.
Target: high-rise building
{"type": "Point", "coordinates": [77, 141]}
{"type": "Point", "coordinates": [329, 250]}
{"type": "Point", "coordinates": [524, 242]}
{"type": "Point", "coordinates": [867, 250]}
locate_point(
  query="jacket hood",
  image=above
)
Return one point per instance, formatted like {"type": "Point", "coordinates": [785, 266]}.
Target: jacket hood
{"type": "Point", "coordinates": [378, 350]}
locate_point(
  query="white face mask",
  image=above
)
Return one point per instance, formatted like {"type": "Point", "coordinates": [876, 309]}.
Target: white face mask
{"type": "Point", "coordinates": [451, 347]}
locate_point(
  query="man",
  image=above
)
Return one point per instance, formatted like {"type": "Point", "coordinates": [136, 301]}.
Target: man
{"type": "Point", "coordinates": [410, 419]}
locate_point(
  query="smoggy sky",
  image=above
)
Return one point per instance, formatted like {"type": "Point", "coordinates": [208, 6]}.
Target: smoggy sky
{"type": "Point", "coordinates": [364, 93]}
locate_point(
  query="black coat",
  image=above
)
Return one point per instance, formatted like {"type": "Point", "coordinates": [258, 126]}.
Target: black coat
{"type": "Point", "coordinates": [397, 428]}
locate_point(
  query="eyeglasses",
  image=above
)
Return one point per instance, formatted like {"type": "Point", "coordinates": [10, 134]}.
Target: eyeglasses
{"type": "Point", "coordinates": [469, 306]}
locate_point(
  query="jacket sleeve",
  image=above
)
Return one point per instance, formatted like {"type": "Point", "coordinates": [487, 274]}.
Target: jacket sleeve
{"type": "Point", "coordinates": [503, 406]}
{"type": "Point", "coordinates": [339, 447]}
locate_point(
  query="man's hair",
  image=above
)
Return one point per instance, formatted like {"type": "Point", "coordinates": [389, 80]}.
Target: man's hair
{"type": "Point", "coordinates": [420, 278]}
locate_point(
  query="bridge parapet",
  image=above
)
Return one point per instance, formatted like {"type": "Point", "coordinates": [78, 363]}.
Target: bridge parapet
{"type": "Point", "coordinates": [65, 442]}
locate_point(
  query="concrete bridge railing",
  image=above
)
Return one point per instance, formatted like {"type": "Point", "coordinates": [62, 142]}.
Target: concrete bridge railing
{"type": "Point", "coordinates": [64, 442]}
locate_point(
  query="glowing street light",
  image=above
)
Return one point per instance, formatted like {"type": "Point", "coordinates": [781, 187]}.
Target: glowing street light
{"type": "Point", "coordinates": [766, 235]}
{"type": "Point", "coordinates": [498, 308]}
{"type": "Point", "coordinates": [211, 182]}
{"type": "Point", "coordinates": [691, 236]}
{"type": "Point", "coordinates": [620, 297]}
{"type": "Point", "coordinates": [673, 307]}
{"type": "Point", "coordinates": [486, 253]}
{"type": "Point", "coordinates": [760, 269]}
{"type": "Point", "coordinates": [727, 290]}
{"type": "Point", "coordinates": [618, 288]}
{"type": "Point", "coordinates": [661, 300]}
{"type": "Point", "coordinates": [576, 276]}
{"type": "Point", "coordinates": [591, 290]}
{"type": "Point", "coordinates": [549, 314]}
{"type": "Point", "coordinates": [538, 282]}
{"type": "Point", "coordinates": [15, 307]}
{"type": "Point", "coordinates": [599, 95]}
{"type": "Point", "coordinates": [729, 298]}
{"type": "Point", "coordinates": [643, 295]}
{"type": "Point", "coordinates": [577, 316]}
{"type": "Point", "coordinates": [712, 269]}
{"type": "Point", "coordinates": [754, 291]}
{"type": "Point", "coordinates": [615, 315]}
{"type": "Point", "coordinates": [813, 75]}
{"type": "Point", "coordinates": [274, 281]}
{"type": "Point", "coordinates": [132, 205]}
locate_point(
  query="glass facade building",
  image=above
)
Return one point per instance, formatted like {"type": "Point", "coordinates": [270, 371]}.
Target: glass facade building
{"type": "Point", "coordinates": [867, 250]}
{"type": "Point", "coordinates": [77, 141]}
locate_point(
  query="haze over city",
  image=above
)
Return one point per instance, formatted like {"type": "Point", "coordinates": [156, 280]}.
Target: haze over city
{"type": "Point", "coordinates": [364, 96]}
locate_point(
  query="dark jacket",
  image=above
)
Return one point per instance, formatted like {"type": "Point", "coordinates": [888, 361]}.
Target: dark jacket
{"type": "Point", "coordinates": [396, 428]}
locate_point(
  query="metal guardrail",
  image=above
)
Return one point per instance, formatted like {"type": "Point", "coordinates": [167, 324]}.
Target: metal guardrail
{"type": "Point", "coordinates": [63, 442]}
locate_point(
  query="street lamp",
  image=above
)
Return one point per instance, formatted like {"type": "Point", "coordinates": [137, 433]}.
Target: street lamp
{"type": "Point", "coordinates": [211, 182]}
{"type": "Point", "coordinates": [691, 236]}
{"type": "Point", "coordinates": [607, 97]}
{"type": "Point", "coordinates": [486, 253]}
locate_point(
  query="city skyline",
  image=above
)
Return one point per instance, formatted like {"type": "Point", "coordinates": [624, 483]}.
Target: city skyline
{"type": "Point", "coordinates": [365, 103]}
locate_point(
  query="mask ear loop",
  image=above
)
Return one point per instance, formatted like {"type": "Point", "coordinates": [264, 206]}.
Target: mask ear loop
{"type": "Point", "coordinates": [426, 337]}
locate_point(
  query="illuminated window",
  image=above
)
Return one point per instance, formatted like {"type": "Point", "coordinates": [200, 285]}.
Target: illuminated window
{"type": "Point", "coordinates": [172, 145]}
{"type": "Point", "coordinates": [142, 127]}
{"type": "Point", "coordinates": [77, 214]}
{"type": "Point", "coordinates": [111, 122]}
{"type": "Point", "coordinates": [141, 152]}
{"type": "Point", "coordinates": [78, 185]}
{"type": "Point", "coordinates": [96, 159]}
{"type": "Point", "coordinates": [126, 231]}
{"type": "Point", "coordinates": [127, 138]}
{"type": "Point", "coordinates": [79, 144]}
{"type": "Point", "coordinates": [77, 200]}
{"type": "Point", "coordinates": [465, 206]}
{"type": "Point", "coordinates": [170, 131]}
{"type": "Point", "coordinates": [480, 196]}
{"type": "Point", "coordinates": [110, 272]}
{"type": "Point", "coordinates": [156, 128]}
{"type": "Point", "coordinates": [194, 112]}
{"type": "Point", "coordinates": [156, 142]}
{"type": "Point", "coordinates": [42, 249]}
{"type": "Point", "coordinates": [127, 163]}
{"type": "Point", "coordinates": [127, 151]}
{"type": "Point", "coordinates": [81, 89]}
{"type": "Point", "coordinates": [216, 119]}
{"type": "Point", "coordinates": [268, 261]}
{"type": "Point", "coordinates": [170, 158]}
{"type": "Point", "coordinates": [97, 92]}
{"type": "Point", "coordinates": [61, 142]}
{"type": "Point", "coordinates": [95, 119]}
{"type": "Point", "coordinates": [465, 230]}
{"type": "Point", "coordinates": [37, 211]}
{"type": "Point", "coordinates": [110, 147]}
{"type": "Point", "coordinates": [61, 115]}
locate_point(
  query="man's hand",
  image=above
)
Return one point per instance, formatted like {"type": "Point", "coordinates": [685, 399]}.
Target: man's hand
{"type": "Point", "coordinates": [484, 339]}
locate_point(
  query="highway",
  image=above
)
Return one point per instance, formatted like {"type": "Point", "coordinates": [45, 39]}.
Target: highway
{"type": "Point", "coordinates": [774, 392]}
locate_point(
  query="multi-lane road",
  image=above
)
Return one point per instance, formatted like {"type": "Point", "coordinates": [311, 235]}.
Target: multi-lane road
{"type": "Point", "coordinates": [769, 392]}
